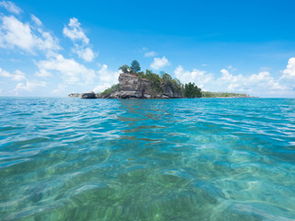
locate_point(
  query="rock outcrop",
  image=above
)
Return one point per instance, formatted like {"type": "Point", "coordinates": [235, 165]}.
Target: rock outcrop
{"type": "Point", "coordinates": [74, 95]}
{"type": "Point", "coordinates": [89, 95]}
{"type": "Point", "coordinates": [170, 92]}
{"type": "Point", "coordinates": [133, 86]}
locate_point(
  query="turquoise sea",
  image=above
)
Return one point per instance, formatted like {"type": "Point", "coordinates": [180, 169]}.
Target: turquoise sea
{"type": "Point", "coordinates": [181, 159]}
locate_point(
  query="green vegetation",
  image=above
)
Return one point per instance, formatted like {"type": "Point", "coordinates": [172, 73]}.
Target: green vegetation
{"type": "Point", "coordinates": [125, 68]}
{"type": "Point", "coordinates": [155, 79]}
{"type": "Point", "coordinates": [222, 94]}
{"type": "Point", "coordinates": [175, 84]}
{"type": "Point", "coordinates": [135, 66]}
{"type": "Point", "coordinates": [191, 90]}
{"type": "Point", "coordinates": [160, 84]}
{"type": "Point", "coordinates": [110, 90]}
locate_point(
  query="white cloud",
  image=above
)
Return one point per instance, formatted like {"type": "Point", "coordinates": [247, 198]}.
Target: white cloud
{"type": "Point", "coordinates": [159, 63]}
{"type": "Point", "coordinates": [48, 42]}
{"type": "Point", "coordinates": [10, 6]}
{"type": "Point", "coordinates": [16, 34]}
{"type": "Point", "coordinates": [106, 78]}
{"type": "Point", "coordinates": [17, 76]}
{"type": "Point", "coordinates": [289, 72]}
{"type": "Point", "coordinates": [24, 84]}
{"type": "Point", "coordinates": [201, 78]}
{"type": "Point", "coordinates": [74, 73]}
{"type": "Point", "coordinates": [29, 85]}
{"type": "Point", "coordinates": [71, 71]}
{"type": "Point", "coordinates": [150, 54]}
{"type": "Point", "coordinates": [260, 84]}
{"type": "Point", "coordinates": [85, 53]}
{"type": "Point", "coordinates": [103, 79]}
{"type": "Point", "coordinates": [36, 20]}
{"type": "Point", "coordinates": [255, 83]}
{"type": "Point", "coordinates": [43, 73]}
{"type": "Point", "coordinates": [74, 31]}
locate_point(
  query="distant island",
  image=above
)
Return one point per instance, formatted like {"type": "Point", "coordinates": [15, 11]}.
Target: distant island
{"type": "Point", "coordinates": [134, 83]}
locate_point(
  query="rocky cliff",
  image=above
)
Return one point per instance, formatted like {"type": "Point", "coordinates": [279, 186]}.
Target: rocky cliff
{"type": "Point", "coordinates": [133, 86]}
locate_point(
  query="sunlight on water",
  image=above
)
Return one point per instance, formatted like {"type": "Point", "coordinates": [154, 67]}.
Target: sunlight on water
{"type": "Point", "coordinates": [183, 159]}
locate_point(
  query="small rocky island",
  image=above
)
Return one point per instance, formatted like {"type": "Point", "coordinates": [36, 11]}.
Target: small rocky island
{"type": "Point", "coordinates": [148, 85]}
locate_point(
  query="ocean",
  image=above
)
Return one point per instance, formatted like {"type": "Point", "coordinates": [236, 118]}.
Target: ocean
{"type": "Point", "coordinates": [175, 159]}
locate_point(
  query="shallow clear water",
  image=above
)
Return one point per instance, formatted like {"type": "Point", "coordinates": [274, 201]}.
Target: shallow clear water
{"type": "Point", "coordinates": [182, 159]}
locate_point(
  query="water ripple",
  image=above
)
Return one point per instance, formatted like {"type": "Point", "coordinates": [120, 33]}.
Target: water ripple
{"type": "Point", "coordinates": [182, 159]}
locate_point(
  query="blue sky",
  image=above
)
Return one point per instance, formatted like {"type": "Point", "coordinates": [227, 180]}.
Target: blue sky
{"type": "Point", "coordinates": [55, 47]}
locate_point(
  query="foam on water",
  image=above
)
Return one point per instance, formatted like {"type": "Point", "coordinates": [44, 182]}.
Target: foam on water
{"type": "Point", "coordinates": [182, 159]}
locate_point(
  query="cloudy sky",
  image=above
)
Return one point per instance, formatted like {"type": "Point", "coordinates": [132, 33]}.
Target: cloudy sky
{"type": "Point", "coordinates": [52, 48]}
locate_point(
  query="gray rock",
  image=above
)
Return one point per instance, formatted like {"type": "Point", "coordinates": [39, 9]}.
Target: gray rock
{"type": "Point", "coordinates": [74, 95]}
{"type": "Point", "coordinates": [131, 86]}
{"type": "Point", "coordinates": [90, 95]}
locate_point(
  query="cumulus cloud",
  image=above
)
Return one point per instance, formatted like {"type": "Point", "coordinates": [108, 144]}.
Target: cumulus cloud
{"type": "Point", "coordinates": [150, 54]}
{"type": "Point", "coordinates": [16, 34]}
{"type": "Point", "coordinates": [70, 70]}
{"type": "Point", "coordinates": [258, 84]}
{"type": "Point", "coordinates": [201, 78]}
{"type": "Point", "coordinates": [74, 31]}
{"type": "Point", "coordinates": [16, 76]}
{"type": "Point", "coordinates": [159, 63]}
{"type": "Point", "coordinates": [29, 36]}
{"type": "Point", "coordinates": [23, 83]}
{"type": "Point", "coordinates": [85, 53]}
{"type": "Point", "coordinates": [76, 76]}
{"type": "Point", "coordinates": [255, 83]}
{"type": "Point", "coordinates": [75, 73]}
{"type": "Point", "coordinates": [289, 72]}
{"type": "Point", "coordinates": [106, 78]}
{"type": "Point", "coordinates": [10, 6]}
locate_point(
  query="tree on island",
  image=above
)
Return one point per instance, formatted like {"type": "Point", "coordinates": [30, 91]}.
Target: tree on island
{"type": "Point", "coordinates": [191, 90]}
{"type": "Point", "coordinates": [135, 66]}
{"type": "Point", "coordinates": [154, 78]}
{"type": "Point", "coordinates": [125, 68]}
{"type": "Point", "coordinates": [166, 77]}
